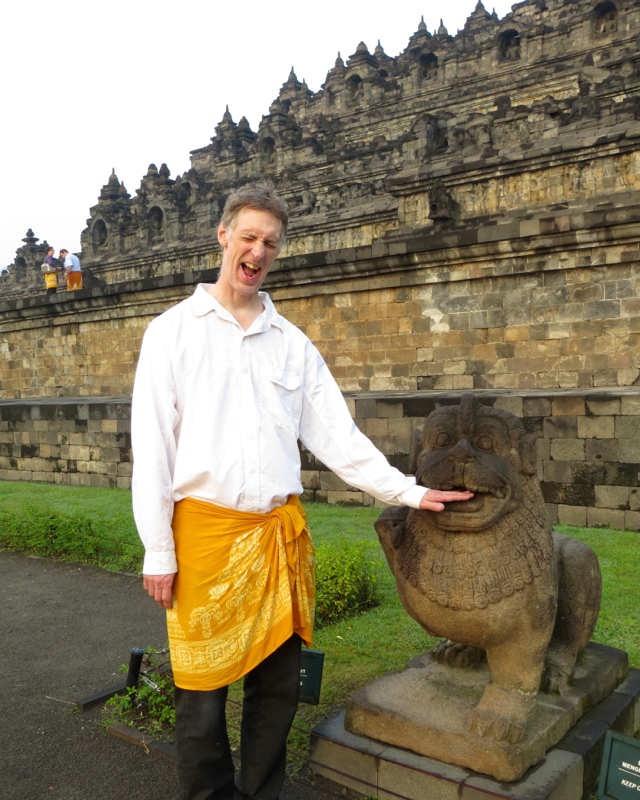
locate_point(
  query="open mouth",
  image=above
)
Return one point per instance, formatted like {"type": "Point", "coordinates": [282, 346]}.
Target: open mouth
{"type": "Point", "coordinates": [249, 270]}
{"type": "Point", "coordinates": [486, 505]}
{"type": "Point", "coordinates": [476, 503]}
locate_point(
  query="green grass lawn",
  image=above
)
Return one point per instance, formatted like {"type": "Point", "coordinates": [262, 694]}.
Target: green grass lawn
{"type": "Point", "coordinates": [63, 521]}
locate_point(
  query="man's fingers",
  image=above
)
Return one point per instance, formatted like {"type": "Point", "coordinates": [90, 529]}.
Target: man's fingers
{"type": "Point", "coordinates": [160, 588]}
{"type": "Point", "coordinates": [433, 499]}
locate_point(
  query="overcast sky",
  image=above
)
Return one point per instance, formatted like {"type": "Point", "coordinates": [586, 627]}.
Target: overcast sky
{"type": "Point", "coordinates": [88, 86]}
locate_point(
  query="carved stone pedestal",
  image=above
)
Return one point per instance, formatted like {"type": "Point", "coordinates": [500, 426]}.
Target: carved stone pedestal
{"type": "Point", "coordinates": [377, 760]}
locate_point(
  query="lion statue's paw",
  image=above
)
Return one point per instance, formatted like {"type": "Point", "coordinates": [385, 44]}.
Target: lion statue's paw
{"type": "Point", "coordinates": [486, 723]}
{"type": "Point", "coordinates": [454, 654]}
{"type": "Point", "coordinates": [554, 680]}
{"type": "Point", "coordinates": [501, 713]}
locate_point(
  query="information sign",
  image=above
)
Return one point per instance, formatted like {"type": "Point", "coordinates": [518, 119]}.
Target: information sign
{"type": "Point", "coordinates": [620, 774]}
{"type": "Point", "coordinates": [311, 676]}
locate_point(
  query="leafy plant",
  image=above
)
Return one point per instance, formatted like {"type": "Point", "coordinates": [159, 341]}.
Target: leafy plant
{"type": "Point", "coordinates": [346, 581]}
{"type": "Point", "coordinates": [149, 707]}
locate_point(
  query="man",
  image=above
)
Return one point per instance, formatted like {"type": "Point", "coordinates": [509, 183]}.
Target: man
{"type": "Point", "coordinates": [224, 389]}
{"type": "Point", "coordinates": [73, 272]}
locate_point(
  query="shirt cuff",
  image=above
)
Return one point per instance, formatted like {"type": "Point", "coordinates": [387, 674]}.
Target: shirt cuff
{"type": "Point", "coordinates": [413, 496]}
{"type": "Point", "coordinates": [161, 562]}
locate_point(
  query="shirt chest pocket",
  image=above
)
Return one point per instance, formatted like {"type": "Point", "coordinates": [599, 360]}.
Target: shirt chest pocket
{"type": "Point", "coordinates": [281, 398]}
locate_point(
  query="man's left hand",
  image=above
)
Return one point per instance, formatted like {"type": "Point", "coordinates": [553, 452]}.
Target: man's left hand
{"type": "Point", "coordinates": [434, 500]}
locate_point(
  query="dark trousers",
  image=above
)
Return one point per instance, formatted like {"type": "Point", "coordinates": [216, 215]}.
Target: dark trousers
{"type": "Point", "coordinates": [51, 290]}
{"type": "Point", "coordinates": [205, 767]}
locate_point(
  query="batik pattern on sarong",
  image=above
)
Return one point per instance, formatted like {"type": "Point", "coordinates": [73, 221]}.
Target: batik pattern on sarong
{"type": "Point", "coordinates": [245, 584]}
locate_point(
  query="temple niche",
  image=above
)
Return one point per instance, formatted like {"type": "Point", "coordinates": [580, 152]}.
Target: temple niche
{"type": "Point", "coordinates": [358, 158]}
{"type": "Point", "coordinates": [604, 19]}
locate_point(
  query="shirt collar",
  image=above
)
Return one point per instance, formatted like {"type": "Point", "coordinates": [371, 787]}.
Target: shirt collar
{"type": "Point", "coordinates": [202, 303]}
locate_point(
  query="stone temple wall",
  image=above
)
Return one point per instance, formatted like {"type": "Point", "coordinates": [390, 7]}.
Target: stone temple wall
{"type": "Point", "coordinates": [588, 446]}
{"type": "Point", "coordinates": [548, 302]}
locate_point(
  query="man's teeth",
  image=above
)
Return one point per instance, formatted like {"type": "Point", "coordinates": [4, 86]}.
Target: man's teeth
{"type": "Point", "coordinates": [251, 268]}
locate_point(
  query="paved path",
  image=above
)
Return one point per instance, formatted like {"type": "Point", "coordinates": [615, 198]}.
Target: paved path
{"type": "Point", "coordinates": [65, 629]}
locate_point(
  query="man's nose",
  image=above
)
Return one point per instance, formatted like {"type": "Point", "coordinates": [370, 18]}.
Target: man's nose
{"type": "Point", "coordinates": [462, 452]}
{"type": "Point", "coordinates": [257, 250]}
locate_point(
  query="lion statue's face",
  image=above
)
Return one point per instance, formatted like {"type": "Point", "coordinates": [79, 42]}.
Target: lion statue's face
{"type": "Point", "coordinates": [481, 449]}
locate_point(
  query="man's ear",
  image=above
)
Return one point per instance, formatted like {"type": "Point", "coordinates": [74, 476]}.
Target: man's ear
{"type": "Point", "coordinates": [222, 236]}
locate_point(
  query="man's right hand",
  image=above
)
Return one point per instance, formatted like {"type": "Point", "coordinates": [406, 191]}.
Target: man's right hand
{"type": "Point", "coordinates": [160, 588]}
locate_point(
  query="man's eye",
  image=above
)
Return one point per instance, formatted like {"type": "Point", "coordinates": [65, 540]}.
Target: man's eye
{"type": "Point", "coordinates": [485, 443]}
{"type": "Point", "coordinates": [442, 439]}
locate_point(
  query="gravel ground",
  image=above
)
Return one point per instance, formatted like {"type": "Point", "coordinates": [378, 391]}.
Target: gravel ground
{"type": "Point", "coordinates": [65, 629]}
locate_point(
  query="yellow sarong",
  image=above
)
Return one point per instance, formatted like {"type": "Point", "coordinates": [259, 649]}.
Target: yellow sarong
{"type": "Point", "coordinates": [245, 584]}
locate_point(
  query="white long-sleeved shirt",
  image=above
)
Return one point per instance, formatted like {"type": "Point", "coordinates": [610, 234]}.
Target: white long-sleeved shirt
{"type": "Point", "coordinates": [217, 413]}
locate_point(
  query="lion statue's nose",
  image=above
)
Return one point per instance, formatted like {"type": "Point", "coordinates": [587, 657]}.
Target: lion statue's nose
{"type": "Point", "coordinates": [461, 453]}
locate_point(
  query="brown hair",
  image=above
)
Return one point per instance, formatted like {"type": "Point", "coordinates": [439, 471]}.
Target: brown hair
{"type": "Point", "coordinates": [260, 196]}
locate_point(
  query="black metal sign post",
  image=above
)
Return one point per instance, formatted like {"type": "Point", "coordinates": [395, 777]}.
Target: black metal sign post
{"type": "Point", "coordinates": [620, 773]}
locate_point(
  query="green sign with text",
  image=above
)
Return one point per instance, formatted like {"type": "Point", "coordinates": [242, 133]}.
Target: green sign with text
{"type": "Point", "coordinates": [620, 774]}
{"type": "Point", "coordinates": [311, 676]}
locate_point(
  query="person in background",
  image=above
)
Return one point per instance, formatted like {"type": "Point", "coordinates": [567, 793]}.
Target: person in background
{"type": "Point", "coordinates": [51, 277]}
{"type": "Point", "coordinates": [73, 272]}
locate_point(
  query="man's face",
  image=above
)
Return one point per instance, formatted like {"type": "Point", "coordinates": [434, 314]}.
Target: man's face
{"type": "Point", "coordinates": [249, 250]}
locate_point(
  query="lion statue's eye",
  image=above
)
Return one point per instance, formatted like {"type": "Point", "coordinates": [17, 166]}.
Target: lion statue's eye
{"type": "Point", "coordinates": [443, 439]}
{"type": "Point", "coordinates": [485, 443]}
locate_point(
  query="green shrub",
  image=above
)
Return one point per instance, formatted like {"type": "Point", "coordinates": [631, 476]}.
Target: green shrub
{"type": "Point", "coordinates": [71, 537]}
{"type": "Point", "coordinates": [150, 708]}
{"type": "Point", "coordinates": [345, 581]}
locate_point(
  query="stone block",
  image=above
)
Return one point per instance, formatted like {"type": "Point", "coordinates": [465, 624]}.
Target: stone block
{"type": "Point", "coordinates": [310, 479]}
{"type": "Point", "coordinates": [559, 777]}
{"type": "Point", "coordinates": [612, 497]}
{"type": "Point", "coordinates": [602, 450]}
{"type": "Point", "coordinates": [567, 449]}
{"type": "Point", "coordinates": [329, 481]}
{"type": "Point", "coordinates": [402, 773]}
{"type": "Point", "coordinates": [388, 410]}
{"type": "Point", "coordinates": [572, 515]}
{"type": "Point", "coordinates": [557, 427]}
{"type": "Point", "coordinates": [536, 407]}
{"type": "Point", "coordinates": [376, 427]}
{"type": "Point", "coordinates": [629, 451]}
{"type": "Point", "coordinates": [632, 523]}
{"type": "Point", "coordinates": [605, 518]}
{"type": "Point", "coordinates": [621, 474]}
{"type": "Point", "coordinates": [603, 406]}
{"type": "Point", "coordinates": [557, 471]}
{"type": "Point", "coordinates": [109, 426]}
{"type": "Point", "coordinates": [630, 405]}
{"type": "Point", "coordinates": [568, 406]}
{"type": "Point", "coordinates": [345, 498]}
{"type": "Point", "coordinates": [366, 408]}
{"type": "Point", "coordinates": [342, 757]}
{"type": "Point", "coordinates": [589, 472]}
{"type": "Point", "coordinates": [627, 427]}
{"type": "Point", "coordinates": [400, 428]}
{"type": "Point", "coordinates": [552, 512]}
{"type": "Point", "coordinates": [596, 427]}
{"type": "Point", "coordinates": [513, 404]}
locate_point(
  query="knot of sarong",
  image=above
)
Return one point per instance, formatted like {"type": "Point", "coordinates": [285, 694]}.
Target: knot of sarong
{"type": "Point", "coordinates": [291, 525]}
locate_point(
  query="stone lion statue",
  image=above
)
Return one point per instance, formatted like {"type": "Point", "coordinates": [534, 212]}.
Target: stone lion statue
{"type": "Point", "coordinates": [489, 574]}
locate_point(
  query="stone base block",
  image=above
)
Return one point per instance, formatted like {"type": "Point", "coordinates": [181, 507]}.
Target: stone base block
{"type": "Point", "coordinates": [568, 771]}
{"type": "Point", "coordinates": [424, 709]}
